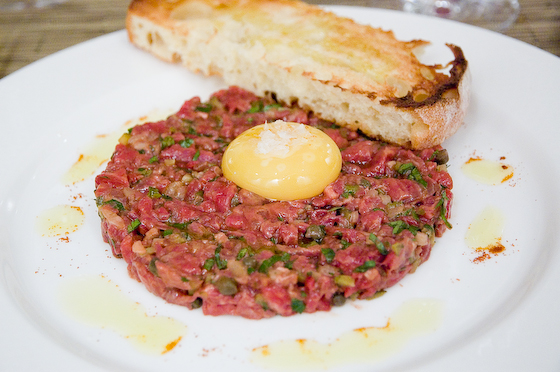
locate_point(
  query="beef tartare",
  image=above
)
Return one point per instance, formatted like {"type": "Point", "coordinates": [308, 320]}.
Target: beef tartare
{"type": "Point", "coordinates": [196, 239]}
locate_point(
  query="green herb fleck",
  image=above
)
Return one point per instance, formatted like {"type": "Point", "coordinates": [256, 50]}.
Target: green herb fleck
{"type": "Point", "coordinates": [208, 264]}
{"type": "Point", "coordinates": [242, 253]}
{"type": "Point", "coordinates": [187, 142]}
{"type": "Point", "coordinates": [153, 193]}
{"type": "Point", "coordinates": [379, 244]}
{"type": "Point", "coordinates": [115, 204]}
{"type": "Point", "coordinates": [412, 173]}
{"type": "Point", "coordinates": [256, 106]}
{"type": "Point", "coordinates": [298, 306]}
{"type": "Point", "coordinates": [167, 142]}
{"type": "Point", "coordinates": [365, 267]}
{"type": "Point", "coordinates": [442, 211]}
{"type": "Point", "coordinates": [204, 108]}
{"type": "Point", "coordinates": [133, 225]}
{"type": "Point", "coordinates": [152, 267]}
{"type": "Point", "coordinates": [220, 263]}
{"type": "Point", "coordinates": [145, 171]}
{"type": "Point", "coordinates": [196, 155]}
{"type": "Point", "coordinates": [399, 226]}
{"type": "Point", "coordinates": [268, 263]}
{"type": "Point", "coordinates": [272, 106]}
{"type": "Point", "coordinates": [328, 253]}
{"type": "Point", "coordinates": [153, 159]}
{"type": "Point", "coordinates": [350, 190]}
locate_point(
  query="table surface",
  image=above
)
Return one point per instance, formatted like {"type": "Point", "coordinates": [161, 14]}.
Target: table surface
{"type": "Point", "coordinates": [33, 33]}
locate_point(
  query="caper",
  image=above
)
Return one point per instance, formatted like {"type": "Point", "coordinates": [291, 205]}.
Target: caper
{"type": "Point", "coordinates": [440, 156]}
{"type": "Point", "coordinates": [315, 232]}
{"type": "Point", "coordinates": [226, 285]}
{"type": "Point", "coordinates": [196, 303]}
{"type": "Point", "coordinates": [338, 299]}
{"type": "Point", "coordinates": [250, 262]}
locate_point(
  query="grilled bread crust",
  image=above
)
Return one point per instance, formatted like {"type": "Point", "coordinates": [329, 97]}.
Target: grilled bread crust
{"type": "Point", "coordinates": [355, 75]}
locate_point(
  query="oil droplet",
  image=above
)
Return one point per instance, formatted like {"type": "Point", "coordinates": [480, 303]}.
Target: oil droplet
{"type": "Point", "coordinates": [485, 232]}
{"type": "Point", "coordinates": [487, 171]}
{"type": "Point", "coordinates": [99, 303]}
{"type": "Point", "coordinates": [100, 149]}
{"type": "Point", "coordinates": [60, 220]}
{"type": "Point", "coordinates": [414, 318]}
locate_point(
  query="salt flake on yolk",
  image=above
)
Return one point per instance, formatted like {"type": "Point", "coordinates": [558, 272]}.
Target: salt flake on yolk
{"type": "Point", "coordinates": [282, 160]}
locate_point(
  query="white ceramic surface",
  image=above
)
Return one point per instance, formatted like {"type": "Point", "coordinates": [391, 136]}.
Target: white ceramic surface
{"type": "Point", "coordinates": [499, 315]}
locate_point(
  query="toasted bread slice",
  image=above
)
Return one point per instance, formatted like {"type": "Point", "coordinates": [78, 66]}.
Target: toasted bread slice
{"type": "Point", "coordinates": [352, 74]}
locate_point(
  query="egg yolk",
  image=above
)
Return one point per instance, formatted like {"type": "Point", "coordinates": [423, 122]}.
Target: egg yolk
{"type": "Point", "coordinates": [282, 160]}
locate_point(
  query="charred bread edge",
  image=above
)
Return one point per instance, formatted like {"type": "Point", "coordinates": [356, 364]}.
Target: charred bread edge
{"type": "Point", "coordinates": [430, 121]}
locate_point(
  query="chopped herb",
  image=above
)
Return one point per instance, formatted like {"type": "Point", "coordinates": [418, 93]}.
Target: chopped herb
{"type": "Point", "coordinates": [204, 108]}
{"type": "Point", "coordinates": [410, 212]}
{"type": "Point", "coordinates": [152, 267]}
{"type": "Point", "coordinates": [256, 106]}
{"type": "Point", "coordinates": [196, 155]}
{"type": "Point", "coordinates": [412, 173]}
{"type": "Point", "coordinates": [365, 267]}
{"type": "Point", "coordinates": [187, 142]}
{"type": "Point", "coordinates": [179, 225]}
{"type": "Point", "coordinates": [328, 253]}
{"type": "Point", "coordinates": [345, 243]}
{"type": "Point", "coordinates": [268, 263]}
{"type": "Point", "coordinates": [153, 193]}
{"type": "Point", "coordinates": [350, 190]}
{"type": "Point", "coordinates": [221, 264]}
{"type": "Point", "coordinates": [115, 204]}
{"type": "Point", "coordinates": [272, 106]}
{"type": "Point", "coordinates": [191, 130]}
{"type": "Point", "coordinates": [184, 280]}
{"type": "Point", "coordinates": [242, 253]}
{"type": "Point", "coordinates": [144, 171]}
{"type": "Point", "coordinates": [285, 257]}
{"type": "Point", "coordinates": [153, 159]}
{"type": "Point", "coordinates": [442, 211]}
{"type": "Point", "coordinates": [167, 142]}
{"type": "Point", "coordinates": [399, 226]}
{"type": "Point", "coordinates": [379, 244]}
{"type": "Point", "coordinates": [167, 232]}
{"type": "Point", "coordinates": [133, 225]}
{"type": "Point", "coordinates": [208, 264]}
{"type": "Point", "coordinates": [298, 306]}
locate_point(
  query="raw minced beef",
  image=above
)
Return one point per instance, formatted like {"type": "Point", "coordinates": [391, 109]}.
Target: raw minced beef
{"type": "Point", "coordinates": [196, 239]}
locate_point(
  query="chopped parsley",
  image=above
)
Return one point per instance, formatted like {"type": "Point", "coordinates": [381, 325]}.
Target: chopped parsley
{"type": "Point", "coordinates": [187, 142]}
{"type": "Point", "coordinates": [196, 155]}
{"type": "Point", "coordinates": [379, 244]}
{"type": "Point", "coordinates": [133, 225]}
{"type": "Point", "coordinates": [370, 264]}
{"type": "Point", "coordinates": [412, 173]}
{"type": "Point", "coordinates": [328, 253]}
{"type": "Point", "coordinates": [298, 306]}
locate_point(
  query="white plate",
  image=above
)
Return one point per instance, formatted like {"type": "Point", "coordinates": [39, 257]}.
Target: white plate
{"type": "Point", "coordinates": [501, 314]}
